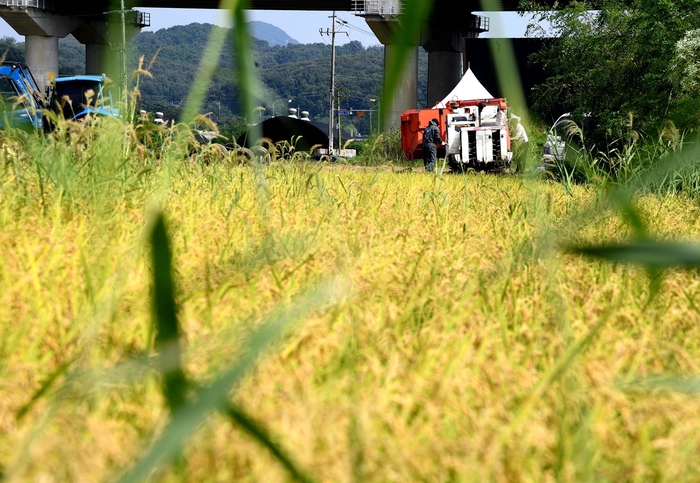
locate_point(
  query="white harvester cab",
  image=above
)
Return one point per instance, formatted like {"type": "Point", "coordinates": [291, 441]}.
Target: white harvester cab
{"type": "Point", "coordinates": [477, 137]}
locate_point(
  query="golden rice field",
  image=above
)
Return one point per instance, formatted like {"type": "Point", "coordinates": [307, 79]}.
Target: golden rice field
{"type": "Point", "coordinates": [457, 340]}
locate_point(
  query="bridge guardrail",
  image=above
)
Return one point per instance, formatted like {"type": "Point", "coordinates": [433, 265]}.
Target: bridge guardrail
{"type": "Point", "coordinates": [392, 8]}
{"type": "Point", "coordinates": [480, 23]}
{"type": "Point", "coordinates": [383, 8]}
{"type": "Point", "coordinates": [39, 4]}
{"type": "Point", "coordinates": [142, 19]}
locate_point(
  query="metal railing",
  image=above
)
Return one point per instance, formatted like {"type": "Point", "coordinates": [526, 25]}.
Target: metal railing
{"type": "Point", "coordinates": [382, 8]}
{"type": "Point", "coordinates": [392, 8]}
{"type": "Point", "coordinates": [142, 19]}
{"type": "Point", "coordinates": [22, 4]}
{"type": "Point", "coordinates": [480, 23]}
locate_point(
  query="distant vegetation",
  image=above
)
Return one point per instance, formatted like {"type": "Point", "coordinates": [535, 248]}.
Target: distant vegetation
{"type": "Point", "coordinates": [71, 59]}
{"type": "Point", "coordinates": [300, 72]}
{"type": "Point", "coordinates": [622, 68]}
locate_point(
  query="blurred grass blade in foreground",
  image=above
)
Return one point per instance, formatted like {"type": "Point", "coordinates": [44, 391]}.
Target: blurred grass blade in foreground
{"type": "Point", "coordinates": [648, 253]}
{"type": "Point", "coordinates": [245, 69]}
{"type": "Point", "coordinates": [684, 385]}
{"type": "Point", "coordinates": [258, 432]}
{"type": "Point", "coordinates": [216, 396]}
{"type": "Point", "coordinates": [43, 390]}
{"type": "Point", "coordinates": [506, 66]}
{"type": "Point", "coordinates": [623, 199]}
{"type": "Point", "coordinates": [207, 67]}
{"type": "Point", "coordinates": [164, 318]}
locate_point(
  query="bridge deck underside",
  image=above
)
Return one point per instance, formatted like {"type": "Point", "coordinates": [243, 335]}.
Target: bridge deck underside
{"type": "Point", "coordinates": [70, 7]}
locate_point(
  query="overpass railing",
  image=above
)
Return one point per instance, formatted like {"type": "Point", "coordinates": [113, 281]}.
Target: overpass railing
{"type": "Point", "coordinates": [479, 23]}
{"type": "Point", "coordinates": [22, 4]}
{"type": "Point", "coordinates": [142, 19]}
{"type": "Point", "coordinates": [382, 8]}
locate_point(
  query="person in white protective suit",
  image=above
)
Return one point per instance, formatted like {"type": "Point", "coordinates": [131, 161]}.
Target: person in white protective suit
{"type": "Point", "coordinates": [519, 143]}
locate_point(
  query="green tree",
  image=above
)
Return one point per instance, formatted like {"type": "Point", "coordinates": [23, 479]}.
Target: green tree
{"type": "Point", "coordinates": [11, 50]}
{"type": "Point", "coordinates": [611, 62]}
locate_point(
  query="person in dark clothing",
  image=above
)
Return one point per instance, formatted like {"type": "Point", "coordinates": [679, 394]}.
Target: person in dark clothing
{"type": "Point", "coordinates": [431, 137]}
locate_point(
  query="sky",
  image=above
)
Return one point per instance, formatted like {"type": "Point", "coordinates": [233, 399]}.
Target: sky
{"type": "Point", "coordinates": [301, 25]}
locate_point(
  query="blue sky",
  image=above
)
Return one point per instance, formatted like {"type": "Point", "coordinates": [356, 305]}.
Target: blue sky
{"type": "Point", "coordinates": [302, 26]}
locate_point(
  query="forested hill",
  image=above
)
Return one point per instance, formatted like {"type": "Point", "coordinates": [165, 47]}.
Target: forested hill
{"type": "Point", "coordinates": [273, 35]}
{"type": "Point", "coordinates": [300, 72]}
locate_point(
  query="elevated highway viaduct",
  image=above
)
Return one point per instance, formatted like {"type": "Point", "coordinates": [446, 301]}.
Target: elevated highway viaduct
{"type": "Point", "coordinates": [98, 23]}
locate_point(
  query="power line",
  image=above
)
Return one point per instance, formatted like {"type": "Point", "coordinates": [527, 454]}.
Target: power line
{"type": "Point", "coordinates": [355, 27]}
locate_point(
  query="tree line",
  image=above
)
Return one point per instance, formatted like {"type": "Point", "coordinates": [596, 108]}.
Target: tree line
{"type": "Point", "coordinates": [624, 68]}
{"type": "Point", "coordinates": [293, 75]}
{"type": "Point", "coordinates": [299, 73]}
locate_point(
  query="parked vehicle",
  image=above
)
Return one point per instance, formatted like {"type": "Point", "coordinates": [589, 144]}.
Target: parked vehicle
{"type": "Point", "coordinates": [555, 147]}
{"type": "Point", "coordinates": [74, 98]}
{"type": "Point", "coordinates": [77, 97]}
{"type": "Point", "coordinates": [21, 100]}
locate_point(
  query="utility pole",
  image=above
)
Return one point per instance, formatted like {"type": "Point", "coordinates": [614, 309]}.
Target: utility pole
{"type": "Point", "coordinates": [340, 137]}
{"type": "Point", "coordinates": [332, 32]}
{"type": "Point", "coordinates": [124, 82]}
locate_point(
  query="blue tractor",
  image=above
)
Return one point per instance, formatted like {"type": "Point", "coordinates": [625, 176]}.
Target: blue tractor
{"type": "Point", "coordinates": [21, 100]}
{"type": "Point", "coordinates": [81, 96]}
{"type": "Point", "coordinates": [74, 98]}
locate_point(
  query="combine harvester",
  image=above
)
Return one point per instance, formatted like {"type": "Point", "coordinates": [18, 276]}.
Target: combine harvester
{"type": "Point", "coordinates": [471, 121]}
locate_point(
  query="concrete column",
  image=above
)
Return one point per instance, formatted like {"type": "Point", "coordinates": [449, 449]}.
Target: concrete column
{"type": "Point", "coordinates": [41, 56]}
{"type": "Point", "coordinates": [406, 94]}
{"type": "Point", "coordinates": [98, 35]}
{"type": "Point", "coordinates": [41, 30]}
{"type": "Point", "coordinates": [444, 72]}
{"type": "Point", "coordinates": [99, 59]}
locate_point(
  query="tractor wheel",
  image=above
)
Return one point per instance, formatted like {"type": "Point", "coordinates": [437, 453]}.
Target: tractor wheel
{"type": "Point", "coordinates": [242, 155]}
{"type": "Point", "coordinates": [214, 153]}
{"type": "Point", "coordinates": [457, 167]}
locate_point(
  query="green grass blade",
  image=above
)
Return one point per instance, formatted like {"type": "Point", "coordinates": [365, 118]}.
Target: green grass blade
{"type": "Point", "coordinates": [649, 253]}
{"type": "Point", "coordinates": [503, 57]}
{"type": "Point", "coordinates": [210, 59]}
{"type": "Point", "coordinates": [43, 389]}
{"type": "Point", "coordinates": [216, 396]}
{"type": "Point", "coordinates": [164, 318]}
{"type": "Point", "coordinates": [245, 69]}
{"type": "Point", "coordinates": [258, 432]}
{"type": "Point", "coordinates": [684, 385]}
{"type": "Point", "coordinates": [623, 199]}
{"type": "Point", "coordinates": [557, 371]}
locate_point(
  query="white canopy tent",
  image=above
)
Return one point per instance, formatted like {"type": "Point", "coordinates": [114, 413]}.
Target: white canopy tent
{"type": "Point", "coordinates": [468, 88]}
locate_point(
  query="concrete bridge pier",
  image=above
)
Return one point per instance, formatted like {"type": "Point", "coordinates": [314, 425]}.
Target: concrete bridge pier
{"type": "Point", "coordinates": [444, 72]}
{"type": "Point", "coordinates": [442, 38]}
{"type": "Point", "coordinates": [405, 96]}
{"type": "Point", "coordinates": [97, 59]}
{"type": "Point", "coordinates": [41, 30]}
{"type": "Point", "coordinates": [406, 93]}
{"type": "Point", "coordinates": [101, 33]}
{"type": "Point", "coordinates": [41, 55]}
{"type": "Point", "coordinates": [444, 44]}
